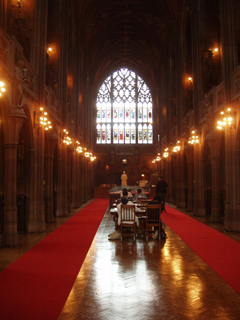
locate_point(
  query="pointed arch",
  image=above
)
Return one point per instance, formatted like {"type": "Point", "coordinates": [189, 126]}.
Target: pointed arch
{"type": "Point", "coordinates": [124, 110]}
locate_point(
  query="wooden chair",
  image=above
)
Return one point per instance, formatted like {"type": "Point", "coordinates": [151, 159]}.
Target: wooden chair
{"type": "Point", "coordinates": [153, 219]}
{"type": "Point", "coordinates": [142, 202]}
{"type": "Point", "coordinates": [128, 220]}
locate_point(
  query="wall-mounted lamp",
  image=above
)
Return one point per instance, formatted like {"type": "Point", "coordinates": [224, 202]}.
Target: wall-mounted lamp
{"type": "Point", "coordinates": [215, 51]}
{"type": "Point", "coordinates": [227, 120]}
{"type": "Point", "coordinates": [19, 5]}
{"type": "Point", "coordinates": [42, 119]}
{"type": "Point", "coordinates": [66, 139]}
{"type": "Point", "coordinates": [2, 88]}
{"type": "Point", "coordinates": [176, 148]}
{"type": "Point", "coordinates": [194, 138]}
{"type": "Point", "coordinates": [78, 147]}
{"type": "Point", "coordinates": [165, 153]}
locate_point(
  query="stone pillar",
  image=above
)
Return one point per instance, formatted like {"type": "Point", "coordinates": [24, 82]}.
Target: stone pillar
{"type": "Point", "coordinates": [215, 216]}
{"type": "Point", "coordinates": [212, 142]}
{"type": "Point", "coordinates": [75, 183]}
{"type": "Point", "coordinates": [198, 205]}
{"type": "Point", "coordinates": [173, 195]}
{"type": "Point", "coordinates": [70, 170]}
{"type": "Point", "coordinates": [49, 156]}
{"type": "Point", "coordinates": [63, 210]}
{"type": "Point", "coordinates": [10, 233]}
{"type": "Point", "coordinates": [190, 185]}
{"type": "Point", "coordinates": [237, 155]}
{"type": "Point", "coordinates": [189, 149]}
{"type": "Point", "coordinates": [180, 184]}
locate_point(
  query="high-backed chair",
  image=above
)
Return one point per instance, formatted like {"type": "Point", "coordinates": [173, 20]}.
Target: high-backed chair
{"type": "Point", "coordinates": [142, 202]}
{"type": "Point", "coordinates": [153, 219]}
{"type": "Point", "coordinates": [128, 220]}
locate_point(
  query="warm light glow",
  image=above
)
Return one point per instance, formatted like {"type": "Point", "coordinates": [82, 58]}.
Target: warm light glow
{"type": "Point", "coordinates": [194, 138]}
{"type": "Point", "coordinates": [165, 153]}
{"type": "Point", "coordinates": [44, 120]}
{"type": "Point", "coordinates": [66, 139]}
{"type": "Point", "coordinates": [225, 120]}
{"type": "Point", "coordinates": [79, 149]}
{"type": "Point", "coordinates": [177, 147]}
{"type": "Point", "coordinates": [2, 89]}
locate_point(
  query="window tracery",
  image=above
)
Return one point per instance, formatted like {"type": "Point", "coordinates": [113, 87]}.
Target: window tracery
{"type": "Point", "coordinates": [124, 110]}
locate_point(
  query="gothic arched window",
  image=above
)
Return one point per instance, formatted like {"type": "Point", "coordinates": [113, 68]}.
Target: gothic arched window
{"type": "Point", "coordinates": [124, 110]}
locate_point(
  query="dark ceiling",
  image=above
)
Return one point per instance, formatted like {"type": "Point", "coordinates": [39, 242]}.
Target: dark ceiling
{"type": "Point", "coordinates": [128, 33]}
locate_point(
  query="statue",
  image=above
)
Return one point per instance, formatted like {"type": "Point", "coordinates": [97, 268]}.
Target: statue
{"type": "Point", "coordinates": [17, 84]}
{"type": "Point", "coordinates": [124, 178]}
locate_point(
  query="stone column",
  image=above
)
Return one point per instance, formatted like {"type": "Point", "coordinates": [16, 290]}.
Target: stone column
{"type": "Point", "coordinates": [190, 185]}
{"type": "Point", "coordinates": [212, 142]}
{"type": "Point", "coordinates": [189, 149]}
{"type": "Point", "coordinates": [215, 216]}
{"type": "Point", "coordinates": [174, 179]}
{"type": "Point", "coordinates": [10, 233]}
{"type": "Point", "coordinates": [49, 156]}
{"type": "Point", "coordinates": [180, 184]}
{"type": "Point", "coordinates": [70, 170]}
{"type": "Point", "coordinates": [75, 183]}
{"type": "Point", "coordinates": [198, 205]}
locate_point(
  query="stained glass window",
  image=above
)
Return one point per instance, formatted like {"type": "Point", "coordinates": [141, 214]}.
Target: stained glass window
{"type": "Point", "coordinates": [124, 110]}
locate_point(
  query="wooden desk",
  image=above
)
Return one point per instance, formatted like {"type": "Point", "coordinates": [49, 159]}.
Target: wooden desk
{"type": "Point", "coordinates": [101, 192]}
{"type": "Point", "coordinates": [112, 198]}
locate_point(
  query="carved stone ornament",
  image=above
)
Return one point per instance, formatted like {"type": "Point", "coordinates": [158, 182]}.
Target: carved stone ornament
{"type": "Point", "coordinates": [3, 49]}
{"type": "Point", "coordinates": [112, 156]}
{"type": "Point", "coordinates": [237, 83]}
{"type": "Point", "coordinates": [124, 150]}
{"type": "Point", "coordinates": [220, 97]}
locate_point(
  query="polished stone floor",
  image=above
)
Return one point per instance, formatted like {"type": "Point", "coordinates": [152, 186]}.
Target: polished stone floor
{"type": "Point", "coordinates": [141, 280]}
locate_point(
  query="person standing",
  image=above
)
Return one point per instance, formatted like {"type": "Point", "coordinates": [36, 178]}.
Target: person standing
{"type": "Point", "coordinates": [161, 189]}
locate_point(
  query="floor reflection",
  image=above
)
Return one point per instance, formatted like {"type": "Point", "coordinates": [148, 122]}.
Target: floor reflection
{"type": "Point", "coordinates": [147, 280]}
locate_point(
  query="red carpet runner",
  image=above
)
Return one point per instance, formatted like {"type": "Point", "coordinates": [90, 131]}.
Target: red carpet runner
{"type": "Point", "coordinates": [219, 251]}
{"type": "Point", "coordinates": [36, 286]}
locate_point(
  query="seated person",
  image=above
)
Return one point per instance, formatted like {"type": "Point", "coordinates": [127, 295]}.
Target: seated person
{"type": "Point", "coordinates": [139, 194]}
{"type": "Point", "coordinates": [156, 200]}
{"type": "Point", "coordinates": [126, 193]}
{"type": "Point", "coordinates": [124, 200]}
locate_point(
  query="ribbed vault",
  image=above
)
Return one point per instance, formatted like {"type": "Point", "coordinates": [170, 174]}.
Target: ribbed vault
{"type": "Point", "coordinates": [127, 33]}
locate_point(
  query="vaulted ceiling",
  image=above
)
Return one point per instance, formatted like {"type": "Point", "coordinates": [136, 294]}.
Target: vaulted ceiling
{"type": "Point", "coordinates": [128, 33]}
